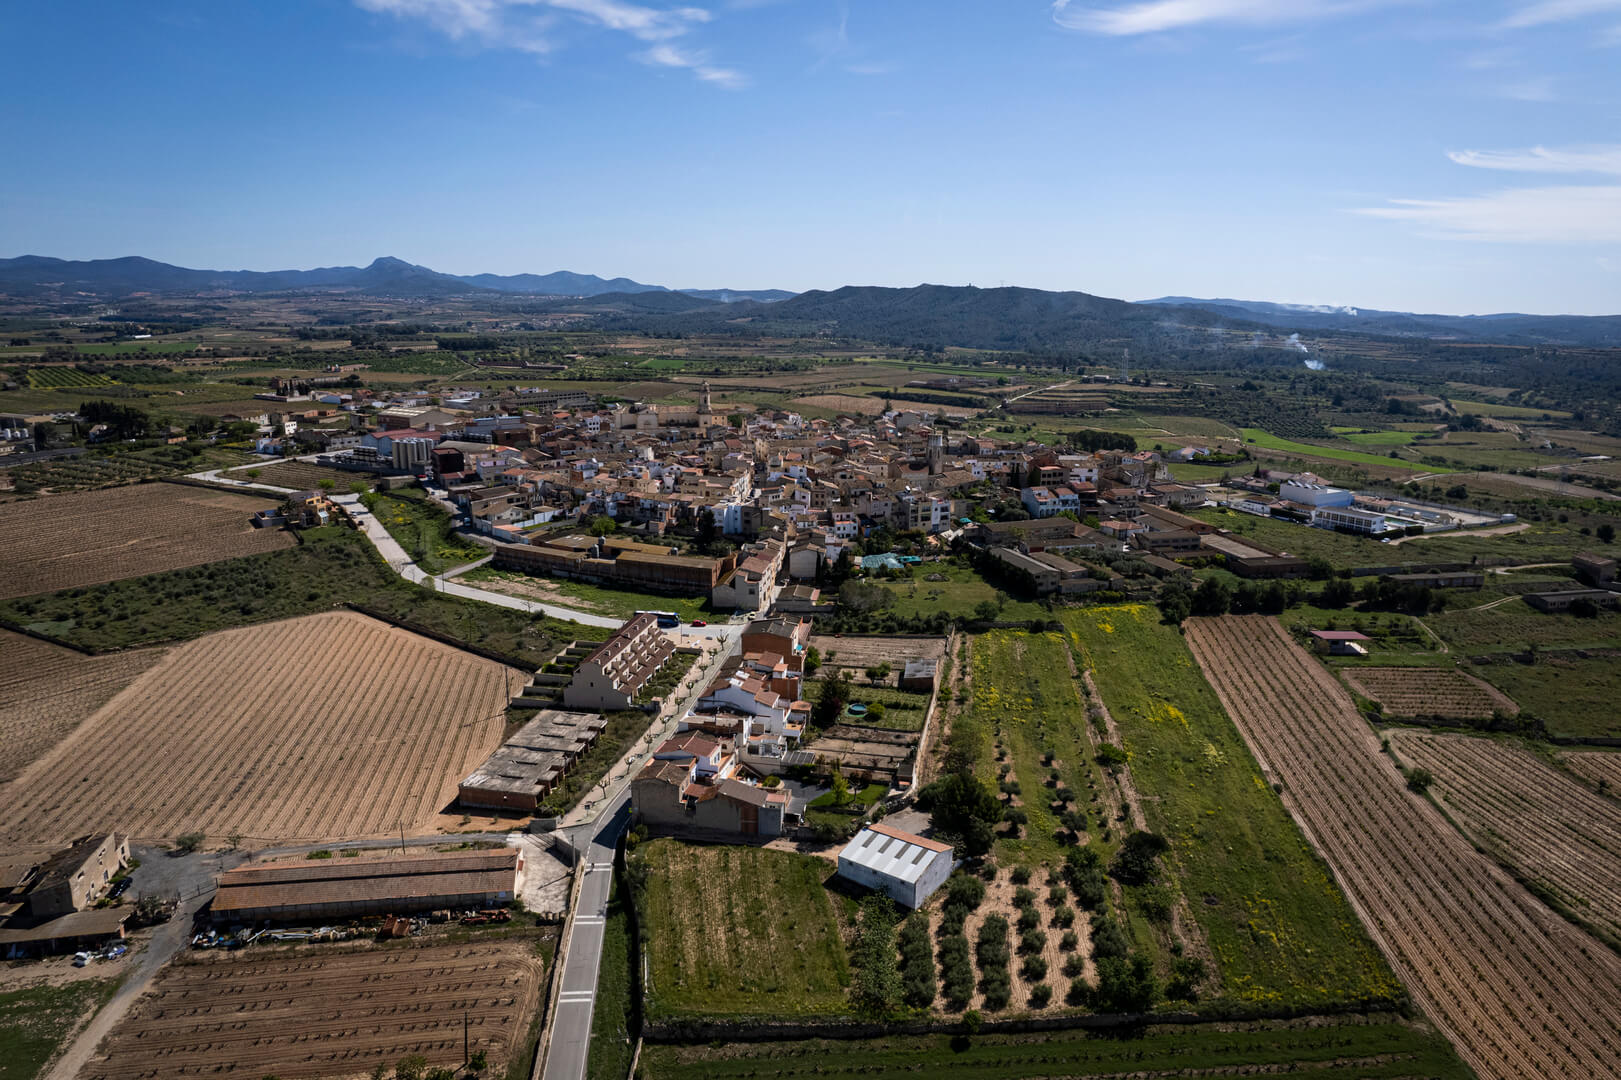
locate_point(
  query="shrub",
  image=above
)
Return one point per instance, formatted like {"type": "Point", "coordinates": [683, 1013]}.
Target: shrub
{"type": "Point", "coordinates": [1029, 919]}
{"type": "Point", "coordinates": [965, 890]}
{"type": "Point", "coordinates": [1021, 875]}
{"type": "Point", "coordinates": [189, 842]}
{"type": "Point", "coordinates": [1073, 965]}
{"type": "Point", "coordinates": [1137, 861]}
{"type": "Point", "coordinates": [1032, 941]}
{"type": "Point", "coordinates": [1063, 916]}
{"type": "Point", "coordinates": [1084, 868]}
{"type": "Point", "coordinates": [1034, 969]}
{"type": "Point", "coordinates": [1040, 995]}
{"type": "Point", "coordinates": [1023, 897]}
{"type": "Point", "coordinates": [1056, 895]}
{"type": "Point", "coordinates": [1107, 939]}
{"type": "Point", "coordinates": [956, 970]}
{"type": "Point", "coordinates": [1070, 941]}
{"type": "Point", "coordinates": [1419, 779]}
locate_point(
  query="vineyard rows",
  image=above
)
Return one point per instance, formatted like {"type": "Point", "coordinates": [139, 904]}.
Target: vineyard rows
{"type": "Point", "coordinates": [1521, 992]}
{"type": "Point", "coordinates": [339, 1013]}
{"type": "Point", "coordinates": [68, 541]}
{"type": "Point", "coordinates": [44, 378]}
{"type": "Point", "coordinates": [323, 727]}
{"type": "Point", "coordinates": [1428, 692]}
{"type": "Point", "coordinates": [1549, 827]}
{"type": "Point", "coordinates": [1599, 766]}
{"type": "Point", "coordinates": [46, 690]}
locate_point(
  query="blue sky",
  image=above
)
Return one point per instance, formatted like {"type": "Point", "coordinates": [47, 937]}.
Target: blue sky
{"type": "Point", "coordinates": [1431, 155]}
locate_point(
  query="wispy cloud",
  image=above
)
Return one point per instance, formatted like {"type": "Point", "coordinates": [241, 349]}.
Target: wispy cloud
{"type": "Point", "coordinates": [1605, 159]}
{"type": "Point", "coordinates": [525, 25]}
{"type": "Point", "coordinates": [1576, 216]}
{"type": "Point", "coordinates": [1543, 12]}
{"type": "Point", "coordinates": [1539, 88]}
{"type": "Point", "coordinates": [1157, 16]}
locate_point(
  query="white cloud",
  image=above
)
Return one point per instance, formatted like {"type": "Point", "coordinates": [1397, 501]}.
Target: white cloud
{"type": "Point", "coordinates": [521, 24]}
{"type": "Point", "coordinates": [1155, 16]}
{"type": "Point", "coordinates": [1543, 12]}
{"type": "Point", "coordinates": [1540, 159]}
{"type": "Point", "coordinates": [1576, 216]}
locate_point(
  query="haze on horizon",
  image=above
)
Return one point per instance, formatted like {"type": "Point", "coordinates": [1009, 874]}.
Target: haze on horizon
{"type": "Point", "coordinates": [1450, 156]}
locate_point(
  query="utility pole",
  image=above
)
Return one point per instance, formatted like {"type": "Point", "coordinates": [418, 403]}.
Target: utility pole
{"type": "Point", "coordinates": [466, 1057]}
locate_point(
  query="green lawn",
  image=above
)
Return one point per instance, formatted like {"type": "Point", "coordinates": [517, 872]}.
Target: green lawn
{"type": "Point", "coordinates": [903, 711]}
{"type": "Point", "coordinates": [332, 566]}
{"type": "Point", "coordinates": [1573, 697]}
{"type": "Point", "coordinates": [740, 931]}
{"type": "Point", "coordinates": [613, 1015]}
{"type": "Point", "coordinates": [1273, 442]}
{"type": "Point", "coordinates": [1376, 438]}
{"type": "Point", "coordinates": [423, 529]}
{"type": "Point", "coordinates": [959, 594]}
{"type": "Point", "coordinates": [34, 1022]}
{"type": "Point", "coordinates": [1195, 473]}
{"type": "Point", "coordinates": [1281, 931]}
{"type": "Point", "coordinates": [1398, 640]}
{"type": "Point", "coordinates": [1385, 1048]}
{"type": "Point", "coordinates": [1515, 626]}
{"type": "Point", "coordinates": [599, 599]}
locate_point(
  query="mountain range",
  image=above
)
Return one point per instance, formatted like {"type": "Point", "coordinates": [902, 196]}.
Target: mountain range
{"type": "Point", "coordinates": [37, 276]}
{"type": "Point", "coordinates": [1512, 328]}
{"type": "Point", "coordinates": [965, 316]}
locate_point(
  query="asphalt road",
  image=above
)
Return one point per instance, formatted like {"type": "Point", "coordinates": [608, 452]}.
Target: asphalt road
{"type": "Point", "coordinates": [577, 994]}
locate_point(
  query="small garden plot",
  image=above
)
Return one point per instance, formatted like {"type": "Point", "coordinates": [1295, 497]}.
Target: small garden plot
{"type": "Point", "coordinates": [740, 931]}
{"type": "Point", "coordinates": [301, 476]}
{"type": "Point", "coordinates": [877, 706]}
{"type": "Point", "coordinates": [1429, 693]}
{"type": "Point", "coordinates": [1602, 768]}
{"type": "Point", "coordinates": [855, 653]}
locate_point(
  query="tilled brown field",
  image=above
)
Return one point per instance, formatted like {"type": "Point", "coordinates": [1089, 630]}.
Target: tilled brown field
{"type": "Point", "coordinates": [65, 541]}
{"type": "Point", "coordinates": [1437, 693]}
{"type": "Point", "coordinates": [1520, 991]}
{"type": "Point", "coordinates": [324, 727]}
{"type": "Point", "coordinates": [1550, 828]}
{"type": "Point", "coordinates": [46, 690]}
{"type": "Point", "coordinates": [1599, 766]}
{"type": "Point", "coordinates": [299, 475]}
{"type": "Point", "coordinates": [326, 1013]}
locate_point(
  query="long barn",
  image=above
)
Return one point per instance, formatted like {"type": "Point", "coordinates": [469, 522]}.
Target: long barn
{"type": "Point", "coordinates": [325, 891]}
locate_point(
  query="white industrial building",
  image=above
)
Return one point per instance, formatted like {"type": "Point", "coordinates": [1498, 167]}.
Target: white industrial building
{"type": "Point", "coordinates": [904, 867]}
{"type": "Point", "coordinates": [1316, 495]}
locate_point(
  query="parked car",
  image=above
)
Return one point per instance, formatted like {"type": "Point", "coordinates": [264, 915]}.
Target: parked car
{"type": "Point", "coordinates": [120, 887]}
{"type": "Point", "coordinates": [699, 622]}
{"type": "Point", "coordinates": [82, 959]}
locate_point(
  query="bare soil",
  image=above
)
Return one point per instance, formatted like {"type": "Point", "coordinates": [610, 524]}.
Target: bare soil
{"type": "Point", "coordinates": [1429, 692]}
{"type": "Point", "coordinates": [91, 537]}
{"type": "Point", "coordinates": [327, 727]}
{"type": "Point", "coordinates": [46, 691]}
{"type": "Point", "coordinates": [327, 1012]}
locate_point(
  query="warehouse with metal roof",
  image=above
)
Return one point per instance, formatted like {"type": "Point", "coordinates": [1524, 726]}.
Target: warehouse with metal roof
{"type": "Point", "coordinates": [328, 891]}
{"type": "Point", "coordinates": [905, 867]}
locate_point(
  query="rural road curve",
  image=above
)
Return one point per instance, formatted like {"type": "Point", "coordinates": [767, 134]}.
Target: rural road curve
{"type": "Point", "coordinates": [577, 995]}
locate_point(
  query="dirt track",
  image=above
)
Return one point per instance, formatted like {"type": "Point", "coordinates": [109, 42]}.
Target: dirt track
{"type": "Point", "coordinates": [1520, 992]}
{"type": "Point", "coordinates": [326, 727]}
{"type": "Point", "coordinates": [326, 1011]}
{"type": "Point", "coordinates": [67, 541]}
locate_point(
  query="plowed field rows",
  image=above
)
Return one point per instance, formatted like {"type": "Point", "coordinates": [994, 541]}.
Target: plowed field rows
{"type": "Point", "coordinates": [1521, 992]}
{"type": "Point", "coordinates": [1552, 829]}
{"type": "Point", "coordinates": [328, 726]}
{"type": "Point", "coordinates": [1599, 766]}
{"type": "Point", "coordinates": [1429, 692]}
{"type": "Point", "coordinates": [46, 690]}
{"type": "Point", "coordinates": [299, 475]}
{"type": "Point", "coordinates": [325, 1014]}
{"type": "Point", "coordinates": [66, 541]}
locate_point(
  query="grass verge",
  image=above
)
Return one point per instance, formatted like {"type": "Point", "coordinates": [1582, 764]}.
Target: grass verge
{"type": "Point", "coordinates": [34, 1022]}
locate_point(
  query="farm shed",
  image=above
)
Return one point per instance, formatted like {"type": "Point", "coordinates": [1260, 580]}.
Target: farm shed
{"type": "Point", "coordinates": [1340, 642]}
{"type": "Point", "coordinates": [525, 768]}
{"type": "Point", "coordinates": [324, 891]}
{"type": "Point", "coordinates": [69, 933]}
{"type": "Point", "coordinates": [905, 867]}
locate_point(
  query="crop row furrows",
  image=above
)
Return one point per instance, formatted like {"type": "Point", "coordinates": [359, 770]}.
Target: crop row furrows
{"type": "Point", "coordinates": [1553, 827]}
{"type": "Point", "coordinates": [1475, 948]}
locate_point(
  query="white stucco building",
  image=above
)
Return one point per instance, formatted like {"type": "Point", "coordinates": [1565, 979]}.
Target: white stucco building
{"type": "Point", "coordinates": [904, 867]}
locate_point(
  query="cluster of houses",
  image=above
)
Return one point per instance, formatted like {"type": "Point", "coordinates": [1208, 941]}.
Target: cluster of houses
{"type": "Point", "coordinates": [747, 724]}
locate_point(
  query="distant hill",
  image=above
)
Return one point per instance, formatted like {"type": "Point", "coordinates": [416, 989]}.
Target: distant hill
{"type": "Point", "coordinates": [40, 277]}
{"type": "Point", "coordinates": [1006, 318]}
{"type": "Point", "coordinates": [1507, 329]}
